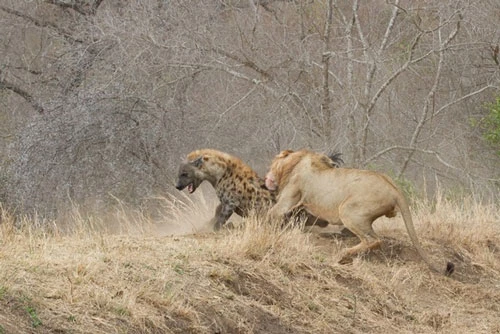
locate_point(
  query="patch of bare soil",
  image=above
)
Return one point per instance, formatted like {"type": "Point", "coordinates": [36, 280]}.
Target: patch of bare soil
{"type": "Point", "coordinates": [14, 317]}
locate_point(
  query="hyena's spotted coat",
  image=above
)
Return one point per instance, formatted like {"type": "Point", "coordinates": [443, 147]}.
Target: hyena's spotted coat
{"type": "Point", "coordinates": [238, 186]}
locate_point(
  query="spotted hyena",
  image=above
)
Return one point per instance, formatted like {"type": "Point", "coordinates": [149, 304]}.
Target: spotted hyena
{"type": "Point", "coordinates": [237, 186]}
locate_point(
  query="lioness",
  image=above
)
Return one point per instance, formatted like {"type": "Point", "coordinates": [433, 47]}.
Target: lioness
{"type": "Point", "coordinates": [352, 197]}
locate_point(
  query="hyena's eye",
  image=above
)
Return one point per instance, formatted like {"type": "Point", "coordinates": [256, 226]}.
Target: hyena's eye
{"type": "Point", "coordinates": [184, 174]}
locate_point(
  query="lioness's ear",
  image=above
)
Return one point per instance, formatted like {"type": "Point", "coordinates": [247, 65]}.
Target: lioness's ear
{"type": "Point", "coordinates": [197, 162]}
{"type": "Point", "coordinates": [284, 154]}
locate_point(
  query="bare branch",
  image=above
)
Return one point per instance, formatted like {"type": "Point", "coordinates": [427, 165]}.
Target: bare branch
{"type": "Point", "coordinates": [462, 98]}
{"type": "Point", "coordinates": [390, 27]}
{"type": "Point", "coordinates": [229, 71]}
{"type": "Point", "coordinates": [430, 96]}
{"type": "Point", "coordinates": [223, 114]}
{"type": "Point", "coordinates": [246, 62]}
{"type": "Point", "coordinates": [392, 77]}
{"type": "Point", "coordinates": [325, 60]}
{"type": "Point", "coordinates": [91, 55]}
{"type": "Point", "coordinates": [81, 7]}
{"type": "Point", "coordinates": [66, 34]}
{"type": "Point", "coordinates": [24, 94]}
{"type": "Point", "coordinates": [410, 149]}
{"type": "Point", "coordinates": [349, 24]}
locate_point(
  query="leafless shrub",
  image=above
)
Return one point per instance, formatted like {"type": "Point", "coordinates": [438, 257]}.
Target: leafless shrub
{"type": "Point", "coordinates": [103, 97]}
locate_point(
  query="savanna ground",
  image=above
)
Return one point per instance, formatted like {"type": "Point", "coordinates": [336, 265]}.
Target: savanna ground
{"type": "Point", "coordinates": [133, 273]}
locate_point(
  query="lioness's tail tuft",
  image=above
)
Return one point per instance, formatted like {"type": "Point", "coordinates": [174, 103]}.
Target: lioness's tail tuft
{"type": "Point", "coordinates": [450, 268]}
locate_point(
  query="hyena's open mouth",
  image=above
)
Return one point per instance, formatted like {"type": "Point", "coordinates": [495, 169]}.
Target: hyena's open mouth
{"type": "Point", "coordinates": [191, 188]}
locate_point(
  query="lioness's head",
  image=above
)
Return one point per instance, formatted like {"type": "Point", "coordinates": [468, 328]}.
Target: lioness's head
{"type": "Point", "coordinates": [275, 174]}
{"type": "Point", "coordinates": [190, 175]}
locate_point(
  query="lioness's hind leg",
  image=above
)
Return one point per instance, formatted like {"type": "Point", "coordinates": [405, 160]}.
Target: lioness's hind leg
{"type": "Point", "coordinates": [362, 247]}
{"type": "Point", "coordinates": [362, 228]}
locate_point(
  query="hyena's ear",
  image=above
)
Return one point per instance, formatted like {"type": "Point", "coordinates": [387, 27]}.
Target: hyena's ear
{"type": "Point", "coordinates": [197, 162]}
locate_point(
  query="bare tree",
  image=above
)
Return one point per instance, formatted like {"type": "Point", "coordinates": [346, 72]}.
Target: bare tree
{"type": "Point", "coordinates": [102, 98]}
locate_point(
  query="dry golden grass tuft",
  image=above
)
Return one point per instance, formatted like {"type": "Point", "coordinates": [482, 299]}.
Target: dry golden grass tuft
{"type": "Point", "coordinates": [132, 271]}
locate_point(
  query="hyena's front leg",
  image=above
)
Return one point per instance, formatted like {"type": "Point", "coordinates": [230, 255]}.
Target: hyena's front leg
{"type": "Point", "coordinates": [222, 214]}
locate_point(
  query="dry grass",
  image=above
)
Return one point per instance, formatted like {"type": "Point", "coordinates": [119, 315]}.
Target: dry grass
{"type": "Point", "coordinates": [132, 272]}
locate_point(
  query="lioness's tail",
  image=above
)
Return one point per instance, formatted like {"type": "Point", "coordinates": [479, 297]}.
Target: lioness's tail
{"type": "Point", "coordinates": [405, 212]}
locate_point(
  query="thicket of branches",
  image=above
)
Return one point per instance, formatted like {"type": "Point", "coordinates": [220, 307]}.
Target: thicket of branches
{"type": "Point", "coordinates": [102, 98]}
